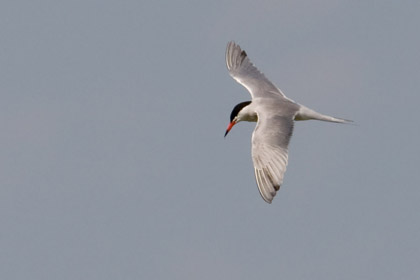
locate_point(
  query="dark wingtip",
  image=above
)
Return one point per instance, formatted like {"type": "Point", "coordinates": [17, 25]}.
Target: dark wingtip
{"type": "Point", "coordinates": [243, 56]}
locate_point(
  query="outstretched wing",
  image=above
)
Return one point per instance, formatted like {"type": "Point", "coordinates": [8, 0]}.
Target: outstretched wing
{"type": "Point", "coordinates": [245, 73]}
{"type": "Point", "coordinates": [269, 152]}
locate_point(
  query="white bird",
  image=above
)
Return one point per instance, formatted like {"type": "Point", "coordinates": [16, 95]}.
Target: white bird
{"type": "Point", "coordinates": [274, 114]}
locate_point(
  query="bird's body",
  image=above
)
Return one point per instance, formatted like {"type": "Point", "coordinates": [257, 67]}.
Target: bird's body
{"type": "Point", "coordinates": [274, 114]}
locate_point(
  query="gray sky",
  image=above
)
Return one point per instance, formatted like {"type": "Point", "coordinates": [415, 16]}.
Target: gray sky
{"type": "Point", "coordinates": [114, 165]}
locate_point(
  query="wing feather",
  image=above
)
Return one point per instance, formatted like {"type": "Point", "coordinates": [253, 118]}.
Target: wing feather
{"type": "Point", "coordinates": [244, 72]}
{"type": "Point", "coordinates": [270, 152]}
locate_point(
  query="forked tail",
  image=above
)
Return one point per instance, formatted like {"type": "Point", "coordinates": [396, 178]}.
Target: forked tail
{"type": "Point", "coordinates": [305, 113]}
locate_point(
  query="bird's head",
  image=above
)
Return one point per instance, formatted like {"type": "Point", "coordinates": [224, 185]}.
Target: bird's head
{"type": "Point", "coordinates": [236, 115]}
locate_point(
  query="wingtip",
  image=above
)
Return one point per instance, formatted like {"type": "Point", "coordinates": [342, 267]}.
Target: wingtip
{"type": "Point", "coordinates": [231, 43]}
{"type": "Point", "coordinates": [235, 56]}
{"type": "Point", "coordinates": [269, 200]}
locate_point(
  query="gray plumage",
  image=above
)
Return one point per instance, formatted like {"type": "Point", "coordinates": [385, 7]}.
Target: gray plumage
{"type": "Point", "coordinates": [274, 114]}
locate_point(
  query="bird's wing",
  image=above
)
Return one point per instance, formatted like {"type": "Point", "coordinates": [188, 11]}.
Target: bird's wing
{"type": "Point", "coordinates": [245, 73]}
{"type": "Point", "coordinates": [269, 152]}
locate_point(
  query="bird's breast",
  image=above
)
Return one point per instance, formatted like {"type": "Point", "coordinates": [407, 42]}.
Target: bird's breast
{"type": "Point", "coordinates": [248, 114]}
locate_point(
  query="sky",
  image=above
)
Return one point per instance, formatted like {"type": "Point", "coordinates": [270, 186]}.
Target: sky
{"type": "Point", "coordinates": [114, 165]}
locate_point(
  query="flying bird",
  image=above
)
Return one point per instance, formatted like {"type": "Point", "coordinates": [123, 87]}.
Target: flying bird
{"type": "Point", "coordinates": [275, 115]}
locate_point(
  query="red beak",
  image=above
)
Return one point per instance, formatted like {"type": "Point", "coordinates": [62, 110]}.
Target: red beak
{"type": "Point", "coordinates": [229, 127]}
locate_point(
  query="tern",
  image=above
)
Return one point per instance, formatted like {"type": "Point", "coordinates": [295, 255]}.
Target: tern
{"type": "Point", "coordinates": [275, 115]}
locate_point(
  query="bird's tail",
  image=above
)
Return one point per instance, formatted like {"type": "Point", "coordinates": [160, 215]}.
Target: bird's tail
{"type": "Point", "coordinates": [305, 113]}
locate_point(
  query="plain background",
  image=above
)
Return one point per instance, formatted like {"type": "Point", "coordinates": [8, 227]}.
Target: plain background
{"type": "Point", "coordinates": [113, 162]}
